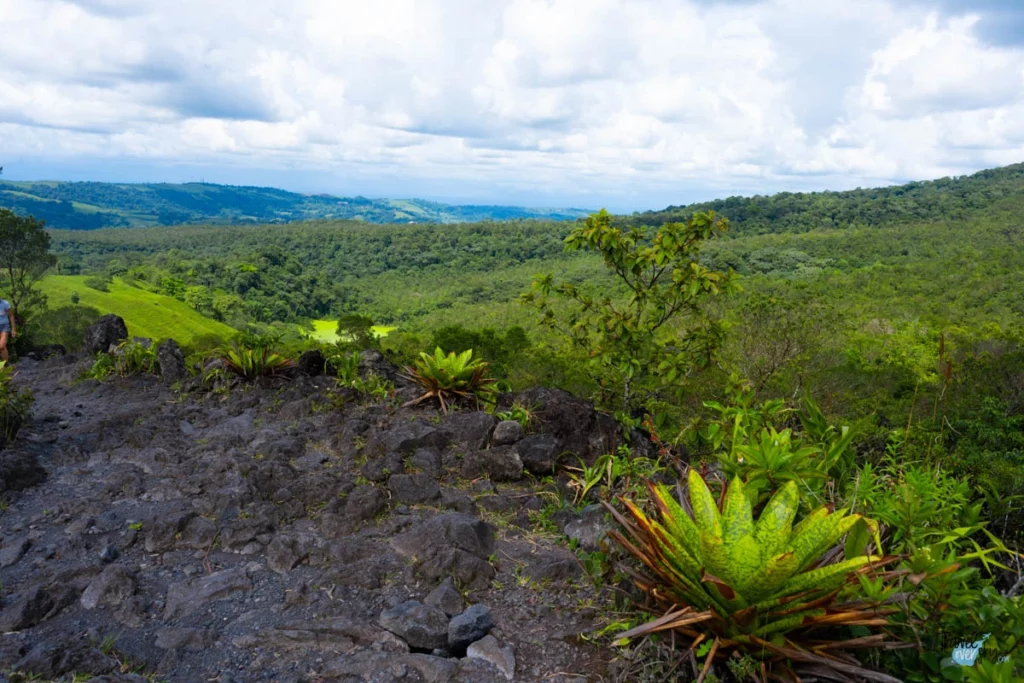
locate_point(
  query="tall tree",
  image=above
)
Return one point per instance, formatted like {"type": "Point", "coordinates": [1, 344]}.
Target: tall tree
{"type": "Point", "coordinates": [656, 327]}
{"type": "Point", "coordinates": [24, 259]}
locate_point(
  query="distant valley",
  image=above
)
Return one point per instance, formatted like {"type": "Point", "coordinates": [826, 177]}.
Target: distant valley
{"type": "Point", "coordinates": [92, 205]}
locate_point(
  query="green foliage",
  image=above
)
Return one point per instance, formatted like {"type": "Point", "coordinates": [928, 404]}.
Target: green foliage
{"type": "Point", "coordinates": [100, 284]}
{"type": "Point", "coordinates": [768, 588]}
{"type": "Point", "coordinates": [65, 326]}
{"type": "Point", "coordinates": [523, 414]}
{"type": "Point", "coordinates": [146, 313]}
{"type": "Point", "coordinates": [253, 362]}
{"type": "Point", "coordinates": [128, 358]}
{"type": "Point", "coordinates": [662, 280]}
{"type": "Point", "coordinates": [745, 438]}
{"type": "Point", "coordinates": [24, 259]}
{"type": "Point", "coordinates": [15, 404]}
{"type": "Point", "coordinates": [452, 378]}
{"type": "Point", "coordinates": [357, 332]}
{"type": "Point", "coordinates": [499, 349]}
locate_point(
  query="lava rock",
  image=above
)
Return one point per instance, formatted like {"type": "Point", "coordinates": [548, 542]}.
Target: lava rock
{"type": "Point", "coordinates": [469, 627]}
{"type": "Point", "coordinates": [488, 649]}
{"type": "Point", "coordinates": [507, 432]}
{"type": "Point", "coordinates": [112, 586]}
{"type": "Point", "coordinates": [413, 489]}
{"type": "Point", "coordinates": [106, 332]}
{"type": "Point", "coordinates": [539, 453]}
{"type": "Point", "coordinates": [589, 528]}
{"type": "Point", "coordinates": [426, 461]}
{"type": "Point", "coordinates": [469, 431]}
{"type": "Point", "coordinates": [452, 544]}
{"type": "Point", "coordinates": [285, 552]}
{"type": "Point", "coordinates": [364, 503]}
{"type": "Point", "coordinates": [422, 626]}
{"type": "Point", "coordinates": [35, 607]}
{"type": "Point", "coordinates": [13, 551]}
{"type": "Point", "coordinates": [404, 439]}
{"type": "Point", "coordinates": [19, 470]}
{"type": "Point", "coordinates": [501, 463]}
{"type": "Point", "coordinates": [446, 598]}
{"type": "Point", "coordinates": [172, 362]}
{"type": "Point", "coordinates": [312, 362]}
{"type": "Point", "coordinates": [184, 598]}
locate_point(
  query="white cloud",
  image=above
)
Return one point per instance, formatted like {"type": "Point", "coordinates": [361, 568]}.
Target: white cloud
{"type": "Point", "coordinates": [635, 102]}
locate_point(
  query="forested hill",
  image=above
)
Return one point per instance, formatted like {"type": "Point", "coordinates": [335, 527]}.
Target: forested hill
{"type": "Point", "coordinates": [788, 212]}
{"type": "Point", "coordinates": [88, 205]}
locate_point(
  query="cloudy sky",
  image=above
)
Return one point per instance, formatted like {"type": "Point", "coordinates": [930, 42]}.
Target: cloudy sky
{"type": "Point", "coordinates": [629, 104]}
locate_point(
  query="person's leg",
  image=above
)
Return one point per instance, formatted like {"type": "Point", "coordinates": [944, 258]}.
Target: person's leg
{"type": "Point", "coordinates": [3, 345]}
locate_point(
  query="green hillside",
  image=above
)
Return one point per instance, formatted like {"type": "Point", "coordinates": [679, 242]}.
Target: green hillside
{"type": "Point", "coordinates": [146, 314]}
{"type": "Point", "coordinates": [89, 205]}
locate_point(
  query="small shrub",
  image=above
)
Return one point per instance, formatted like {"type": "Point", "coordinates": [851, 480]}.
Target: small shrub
{"type": "Point", "coordinates": [14, 405]}
{"type": "Point", "coordinates": [451, 378]}
{"type": "Point", "coordinates": [98, 283]}
{"type": "Point", "coordinates": [523, 414]}
{"type": "Point", "coordinates": [128, 358]}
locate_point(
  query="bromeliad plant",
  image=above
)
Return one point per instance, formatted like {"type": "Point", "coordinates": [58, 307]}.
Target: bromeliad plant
{"type": "Point", "coordinates": [451, 378]}
{"type": "Point", "coordinates": [250, 363]}
{"type": "Point", "coordinates": [768, 588]}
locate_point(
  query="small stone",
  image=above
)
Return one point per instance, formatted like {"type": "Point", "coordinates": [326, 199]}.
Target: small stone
{"type": "Point", "coordinates": [421, 626]}
{"type": "Point", "coordinates": [490, 650]}
{"type": "Point", "coordinates": [109, 553]}
{"type": "Point", "coordinates": [507, 433]}
{"type": "Point", "coordinates": [446, 598]}
{"type": "Point", "coordinates": [589, 529]}
{"type": "Point", "coordinates": [469, 627]}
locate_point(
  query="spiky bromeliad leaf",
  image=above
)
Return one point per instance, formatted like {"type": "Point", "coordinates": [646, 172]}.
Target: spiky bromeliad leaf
{"type": "Point", "coordinates": [751, 578]}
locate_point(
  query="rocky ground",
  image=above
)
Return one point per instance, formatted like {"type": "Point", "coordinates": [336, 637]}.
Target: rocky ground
{"type": "Point", "coordinates": [289, 531]}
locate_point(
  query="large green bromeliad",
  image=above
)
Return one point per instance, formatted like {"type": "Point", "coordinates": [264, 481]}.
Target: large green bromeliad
{"type": "Point", "coordinates": [768, 588]}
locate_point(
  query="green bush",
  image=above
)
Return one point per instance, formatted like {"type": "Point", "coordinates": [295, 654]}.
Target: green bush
{"type": "Point", "coordinates": [14, 405]}
{"type": "Point", "coordinates": [98, 283]}
{"type": "Point", "coordinates": [128, 358]}
{"type": "Point", "coordinates": [65, 326]}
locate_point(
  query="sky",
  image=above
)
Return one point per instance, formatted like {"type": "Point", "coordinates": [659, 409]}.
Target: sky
{"type": "Point", "coordinates": [625, 104]}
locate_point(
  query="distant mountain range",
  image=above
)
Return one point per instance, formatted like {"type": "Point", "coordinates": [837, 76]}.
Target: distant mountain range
{"type": "Point", "coordinates": [88, 206]}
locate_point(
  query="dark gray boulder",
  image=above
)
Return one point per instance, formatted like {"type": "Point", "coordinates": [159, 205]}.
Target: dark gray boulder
{"type": "Point", "coordinates": [113, 586]}
{"type": "Point", "coordinates": [507, 432]}
{"type": "Point", "coordinates": [413, 489]}
{"type": "Point", "coordinates": [501, 463]}
{"type": "Point", "coordinates": [539, 453]}
{"type": "Point", "coordinates": [172, 362]}
{"type": "Point", "coordinates": [469, 627]}
{"type": "Point", "coordinates": [423, 627]}
{"type": "Point", "coordinates": [106, 332]}
{"type": "Point", "coordinates": [469, 431]}
{"type": "Point", "coordinates": [452, 544]}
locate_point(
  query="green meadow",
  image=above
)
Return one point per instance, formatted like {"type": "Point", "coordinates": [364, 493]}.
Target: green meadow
{"type": "Point", "coordinates": [326, 331]}
{"type": "Point", "coordinates": [145, 313]}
